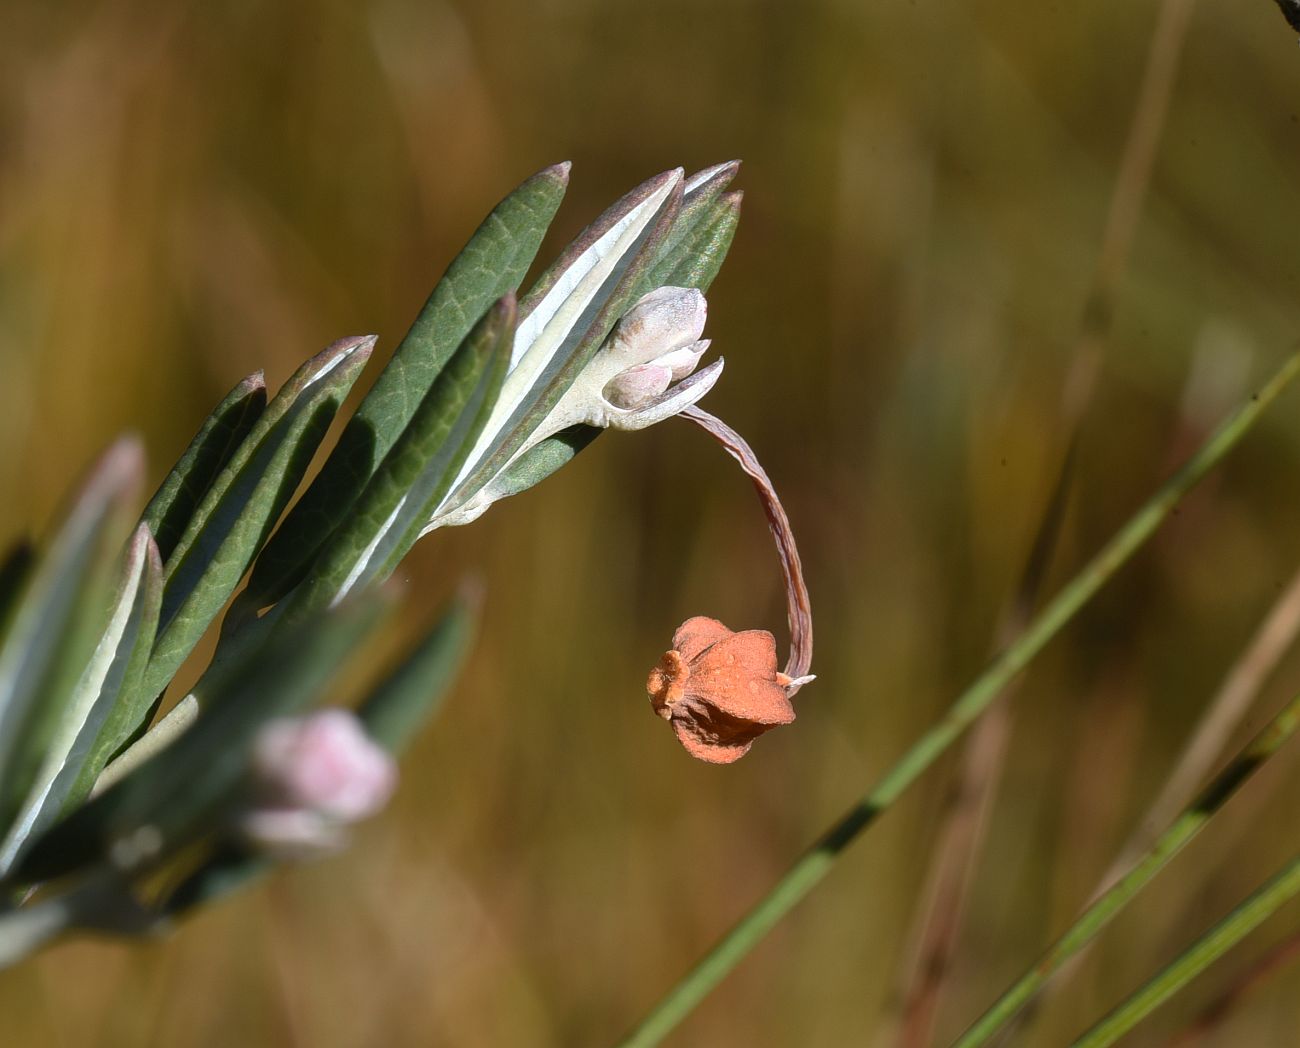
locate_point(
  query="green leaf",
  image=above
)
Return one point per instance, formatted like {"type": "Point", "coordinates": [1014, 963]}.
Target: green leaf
{"type": "Point", "coordinates": [418, 470]}
{"type": "Point", "coordinates": [187, 790]}
{"type": "Point", "coordinates": [230, 868]}
{"type": "Point", "coordinates": [412, 693]}
{"type": "Point", "coordinates": [540, 461]}
{"type": "Point", "coordinates": [232, 522]}
{"type": "Point", "coordinates": [55, 626]}
{"type": "Point", "coordinates": [701, 207]}
{"type": "Point", "coordinates": [491, 265]}
{"type": "Point", "coordinates": [174, 503]}
{"type": "Point", "coordinates": [105, 703]}
{"type": "Point", "coordinates": [699, 255]}
{"type": "Point", "coordinates": [566, 317]}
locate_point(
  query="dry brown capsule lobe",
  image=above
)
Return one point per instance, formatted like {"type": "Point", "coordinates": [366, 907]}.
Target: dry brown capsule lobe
{"type": "Point", "coordinates": [719, 689]}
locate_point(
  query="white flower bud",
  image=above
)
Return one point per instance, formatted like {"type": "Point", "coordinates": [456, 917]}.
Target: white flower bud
{"type": "Point", "coordinates": [629, 382]}
{"type": "Point", "coordinates": [666, 319]}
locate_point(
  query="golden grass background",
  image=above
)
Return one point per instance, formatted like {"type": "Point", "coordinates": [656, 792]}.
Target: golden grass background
{"type": "Point", "coordinates": [191, 191]}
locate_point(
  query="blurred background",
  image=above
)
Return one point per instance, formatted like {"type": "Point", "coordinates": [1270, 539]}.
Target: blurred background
{"type": "Point", "coordinates": [191, 191]}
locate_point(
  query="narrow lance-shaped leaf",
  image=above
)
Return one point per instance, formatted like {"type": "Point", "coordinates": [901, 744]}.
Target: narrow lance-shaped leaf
{"type": "Point", "coordinates": [107, 687]}
{"type": "Point", "coordinates": [567, 323]}
{"type": "Point", "coordinates": [418, 470]}
{"type": "Point", "coordinates": [188, 789]}
{"type": "Point", "coordinates": [413, 692]}
{"type": "Point", "coordinates": [232, 522]}
{"type": "Point", "coordinates": [172, 505]}
{"type": "Point", "coordinates": [703, 202]}
{"type": "Point", "coordinates": [492, 264]}
{"type": "Point", "coordinates": [54, 627]}
{"type": "Point", "coordinates": [700, 254]}
{"type": "Point", "coordinates": [393, 713]}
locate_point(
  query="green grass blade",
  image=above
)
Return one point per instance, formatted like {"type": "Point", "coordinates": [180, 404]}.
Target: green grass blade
{"type": "Point", "coordinates": [173, 504]}
{"type": "Point", "coordinates": [74, 756]}
{"type": "Point", "coordinates": [490, 266]}
{"type": "Point", "coordinates": [1263, 903]}
{"type": "Point", "coordinates": [1100, 911]}
{"type": "Point", "coordinates": [56, 624]}
{"type": "Point", "coordinates": [809, 869]}
{"type": "Point", "coordinates": [185, 790]}
{"type": "Point", "coordinates": [230, 525]}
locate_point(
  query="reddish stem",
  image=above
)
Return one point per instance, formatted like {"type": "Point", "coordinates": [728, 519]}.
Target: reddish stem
{"type": "Point", "coordinates": [799, 608]}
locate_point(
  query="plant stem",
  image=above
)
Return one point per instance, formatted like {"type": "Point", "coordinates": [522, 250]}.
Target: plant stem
{"type": "Point", "coordinates": [799, 607]}
{"type": "Point", "coordinates": [1213, 1015]}
{"type": "Point", "coordinates": [808, 870]}
{"type": "Point", "coordinates": [1098, 914]}
{"type": "Point", "coordinates": [1248, 916]}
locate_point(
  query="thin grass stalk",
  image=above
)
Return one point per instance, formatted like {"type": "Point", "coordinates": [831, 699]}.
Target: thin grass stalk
{"type": "Point", "coordinates": [1099, 913]}
{"type": "Point", "coordinates": [1236, 696]}
{"type": "Point", "coordinates": [1243, 920]}
{"type": "Point", "coordinates": [1234, 699]}
{"type": "Point", "coordinates": [1218, 1011]}
{"type": "Point", "coordinates": [815, 863]}
{"type": "Point", "coordinates": [960, 841]}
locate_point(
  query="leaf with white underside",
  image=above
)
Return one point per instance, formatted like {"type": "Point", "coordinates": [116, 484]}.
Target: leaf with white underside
{"type": "Point", "coordinates": [232, 522]}
{"type": "Point", "coordinates": [55, 625]}
{"type": "Point", "coordinates": [566, 318]}
{"type": "Point", "coordinates": [688, 254]}
{"type": "Point", "coordinates": [492, 264]}
{"type": "Point", "coordinates": [188, 790]}
{"type": "Point", "coordinates": [103, 699]}
{"type": "Point", "coordinates": [418, 470]}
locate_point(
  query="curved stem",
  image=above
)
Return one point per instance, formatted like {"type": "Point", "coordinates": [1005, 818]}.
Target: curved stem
{"type": "Point", "coordinates": [799, 609]}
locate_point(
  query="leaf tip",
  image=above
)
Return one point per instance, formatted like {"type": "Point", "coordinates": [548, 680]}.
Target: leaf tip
{"type": "Point", "coordinates": [722, 174]}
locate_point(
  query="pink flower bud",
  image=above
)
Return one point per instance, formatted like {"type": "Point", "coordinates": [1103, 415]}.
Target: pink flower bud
{"type": "Point", "coordinates": [637, 386]}
{"type": "Point", "coordinates": [323, 763]}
